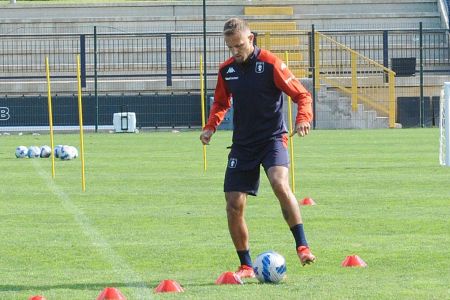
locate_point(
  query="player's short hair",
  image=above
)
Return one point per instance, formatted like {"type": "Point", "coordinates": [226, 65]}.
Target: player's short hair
{"type": "Point", "coordinates": [235, 25]}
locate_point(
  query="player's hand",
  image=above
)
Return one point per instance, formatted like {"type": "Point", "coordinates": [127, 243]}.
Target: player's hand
{"type": "Point", "coordinates": [301, 129]}
{"type": "Point", "coordinates": [205, 136]}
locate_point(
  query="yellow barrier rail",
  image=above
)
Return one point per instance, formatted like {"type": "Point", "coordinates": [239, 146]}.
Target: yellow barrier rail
{"type": "Point", "coordinates": [366, 81]}
{"type": "Point", "coordinates": [368, 84]}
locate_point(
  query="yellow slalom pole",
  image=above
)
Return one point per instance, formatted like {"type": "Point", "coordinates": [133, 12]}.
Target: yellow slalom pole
{"type": "Point", "coordinates": [291, 136]}
{"type": "Point", "coordinates": [202, 99]}
{"type": "Point", "coordinates": [50, 116]}
{"type": "Point", "coordinates": [80, 117]}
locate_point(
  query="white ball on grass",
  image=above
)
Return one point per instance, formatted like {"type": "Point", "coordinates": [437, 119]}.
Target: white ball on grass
{"type": "Point", "coordinates": [270, 267]}
{"type": "Point", "coordinates": [75, 152]}
{"type": "Point", "coordinates": [34, 151]}
{"type": "Point", "coordinates": [21, 152]}
{"type": "Point", "coordinates": [45, 151]}
{"type": "Point", "coordinates": [57, 151]}
{"type": "Point", "coordinates": [68, 152]}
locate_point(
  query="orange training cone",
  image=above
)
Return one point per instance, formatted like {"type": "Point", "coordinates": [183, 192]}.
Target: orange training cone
{"type": "Point", "coordinates": [37, 297]}
{"type": "Point", "coordinates": [307, 201]}
{"type": "Point", "coordinates": [229, 278]}
{"type": "Point", "coordinates": [167, 286]}
{"type": "Point", "coordinates": [111, 293]}
{"type": "Point", "coordinates": [353, 261]}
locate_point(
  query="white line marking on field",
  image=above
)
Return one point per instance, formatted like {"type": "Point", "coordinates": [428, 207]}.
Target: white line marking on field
{"type": "Point", "coordinates": [119, 265]}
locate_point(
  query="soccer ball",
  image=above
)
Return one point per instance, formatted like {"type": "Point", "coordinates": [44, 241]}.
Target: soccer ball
{"type": "Point", "coordinates": [34, 151]}
{"type": "Point", "coordinates": [46, 151]}
{"type": "Point", "coordinates": [21, 152]}
{"type": "Point", "coordinates": [68, 152]}
{"type": "Point", "coordinates": [75, 152]}
{"type": "Point", "coordinates": [57, 151]}
{"type": "Point", "coordinates": [270, 267]}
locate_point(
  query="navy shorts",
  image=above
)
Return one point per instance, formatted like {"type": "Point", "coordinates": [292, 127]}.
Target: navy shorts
{"type": "Point", "coordinates": [242, 174]}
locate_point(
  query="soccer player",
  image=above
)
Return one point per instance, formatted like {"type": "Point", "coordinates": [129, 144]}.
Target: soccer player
{"type": "Point", "coordinates": [253, 80]}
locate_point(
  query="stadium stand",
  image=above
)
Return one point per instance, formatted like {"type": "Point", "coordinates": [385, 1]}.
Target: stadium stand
{"type": "Point", "coordinates": [135, 42]}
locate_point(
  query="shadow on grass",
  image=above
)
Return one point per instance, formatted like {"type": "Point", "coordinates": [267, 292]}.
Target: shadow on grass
{"type": "Point", "coordinates": [213, 284]}
{"type": "Point", "coordinates": [100, 286]}
{"type": "Point", "coordinates": [74, 286]}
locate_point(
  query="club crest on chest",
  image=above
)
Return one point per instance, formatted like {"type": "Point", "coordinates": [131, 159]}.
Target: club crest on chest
{"type": "Point", "coordinates": [259, 68]}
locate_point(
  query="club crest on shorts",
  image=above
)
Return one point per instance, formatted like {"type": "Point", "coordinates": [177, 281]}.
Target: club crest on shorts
{"type": "Point", "coordinates": [259, 67]}
{"type": "Point", "coordinates": [232, 163]}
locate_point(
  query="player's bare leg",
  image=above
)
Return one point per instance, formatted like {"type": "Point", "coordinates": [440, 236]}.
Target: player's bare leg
{"type": "Point", "coordinates": [236, 202]}
{"type": "Point", "coordinates": [237, 226]}
{"type": "Point", "coordinates": [279, 180]}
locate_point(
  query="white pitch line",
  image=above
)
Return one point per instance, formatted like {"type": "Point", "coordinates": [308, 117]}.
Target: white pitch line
{"type": "Point", "coordinates": [119, 265]}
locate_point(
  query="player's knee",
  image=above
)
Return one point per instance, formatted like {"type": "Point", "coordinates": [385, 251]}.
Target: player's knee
{"type": "Point", "coordinates": [234, 209]}
{"type": "Point", "coordinates": [280, 187]}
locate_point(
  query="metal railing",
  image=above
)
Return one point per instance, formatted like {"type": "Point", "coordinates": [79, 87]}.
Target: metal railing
{"type": "Point", "coordinates": [384, 45]}
{"type": "Point", "coordinates": [365, 80]}
{"type": "Point", "coordinates": [22, 56]}
{"type": "Point", "coordinates": [355, 62]}
{"type": "Point", "coordinates": [171, 55]}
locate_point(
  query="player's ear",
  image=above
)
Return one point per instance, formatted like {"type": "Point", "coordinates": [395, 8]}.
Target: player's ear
{"type": "Point", "coordinates": [251, 38]}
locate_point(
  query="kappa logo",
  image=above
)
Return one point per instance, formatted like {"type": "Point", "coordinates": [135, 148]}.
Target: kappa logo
{"type": "Point", "coordinates": [4, 114]}
{"type": "Point", "coordinates": [232, 163]}
{"type": "Point", "coordinates": [259, 67]}
{"type": "Point", "coordinates": [230, 70]}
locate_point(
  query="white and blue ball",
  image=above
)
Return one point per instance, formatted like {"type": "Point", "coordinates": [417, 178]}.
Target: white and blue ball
{"type": "Point", "coordinates": [57, 151]}
{"type": "Point", "coordinates": [21, 152]}
{"type": "Point", "coordinates": [75, 151]}
{"type": "Point", "coordinates": [34, 151]}
{"type": "Point", "coordinates": [68, 152]}
{"type": "Point", "coordinates": [270, 267]}
{"type": "Point", "coordinates": [46, 151]}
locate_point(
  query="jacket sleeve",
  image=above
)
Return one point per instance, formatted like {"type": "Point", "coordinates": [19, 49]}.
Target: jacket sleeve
{"type": "Point", "coordinates": [288, 83]}
{"type": "Point", "coordinates": [220, 106]}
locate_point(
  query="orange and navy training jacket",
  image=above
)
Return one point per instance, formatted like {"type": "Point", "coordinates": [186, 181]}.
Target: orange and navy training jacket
{"type": "Point", "coordinates": [254, 88]}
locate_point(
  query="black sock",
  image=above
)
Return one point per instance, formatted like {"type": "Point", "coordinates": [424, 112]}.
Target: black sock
{"type": "Point", "coordinates": [244, 257]}
{"type": "Point", "coordinates": [299, 235]}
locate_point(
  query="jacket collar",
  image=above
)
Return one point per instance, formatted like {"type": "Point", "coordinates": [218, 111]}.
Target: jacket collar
{"type": "Point", "coordinates": [252, 58]}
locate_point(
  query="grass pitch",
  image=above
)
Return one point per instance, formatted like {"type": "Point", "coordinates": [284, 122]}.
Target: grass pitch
{"type": "Point", "coordinates": [150, 213]}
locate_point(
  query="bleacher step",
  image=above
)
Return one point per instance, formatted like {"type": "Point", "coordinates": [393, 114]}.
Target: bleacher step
{"type": "Point", "coordinates": [272, 26]}
{"type": "Point", "coordinates": [268, 10]}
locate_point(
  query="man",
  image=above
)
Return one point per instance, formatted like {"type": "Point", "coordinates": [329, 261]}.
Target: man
{"type": "Point", "coordinates": [254, 79]}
